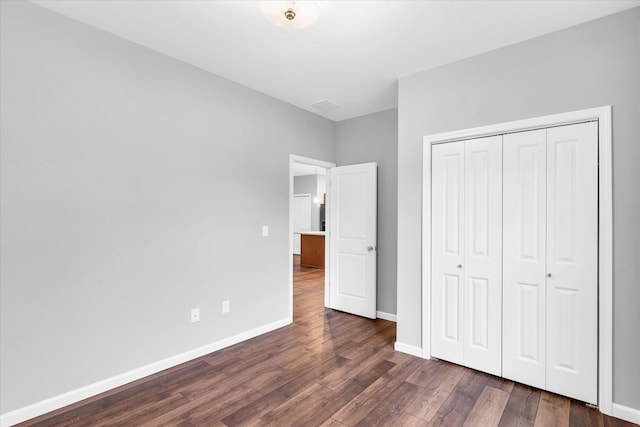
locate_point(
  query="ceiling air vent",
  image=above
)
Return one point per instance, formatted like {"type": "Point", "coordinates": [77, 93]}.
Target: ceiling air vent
{"type": "Point", "coordinates": [325, 105]}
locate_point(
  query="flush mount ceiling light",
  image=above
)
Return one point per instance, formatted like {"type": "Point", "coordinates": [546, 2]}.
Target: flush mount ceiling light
{"type": "Point", "coordinates": [293, 15]}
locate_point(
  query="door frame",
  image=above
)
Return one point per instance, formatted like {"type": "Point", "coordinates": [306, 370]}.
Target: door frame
{"type": "Point", "coordinates": [312, 162]}
{"type": "Point", "coordinates": [605, 228]}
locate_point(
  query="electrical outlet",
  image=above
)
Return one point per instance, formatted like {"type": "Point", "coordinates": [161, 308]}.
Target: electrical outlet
{"type": "Point", "coordinates": [265, 231]}
{"type": "Point", "coordinates": [225, 307]}
{"type": "Point", "coordinates": [195, 315]}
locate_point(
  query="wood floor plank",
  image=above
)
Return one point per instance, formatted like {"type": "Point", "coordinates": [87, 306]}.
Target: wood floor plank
{"type": "Point", "coordinates": [553, 410]}
{"type": "Point", "coordinates": [331, 422]}
{"type": "Point", "coordinates": [342, 396]}
{"type": "Point", "coordinates": [141, 413]}
{"type": "Point", "coordinates": [581, 416]}
{"type": "Point", "coordinates": [521, 408]}
{"type": "Point", "coordinates": [456, 407]}
{"type": "Point", "coordinates": [366, 402]}
{"type": "Point", "coordinates": [428, 401]}
{"type": "Point", "coordinates": [391, 408]}
{"type": "Point", "coordinates": [488, 409]}
{"type": "Point", "coordinates": [328, 368]}
{"type": "Point", "coordinates": [425, 375]}
{"type": "Point", "coordinates": [295, 410]}
{"type": "Point", "coordinates": [249, 413]}
{"type": "Point", "coordinates": [207, 409]}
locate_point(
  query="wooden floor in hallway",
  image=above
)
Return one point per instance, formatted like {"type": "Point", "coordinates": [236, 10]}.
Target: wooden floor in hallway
{"type": "Point", "coordinates": [328, 368]}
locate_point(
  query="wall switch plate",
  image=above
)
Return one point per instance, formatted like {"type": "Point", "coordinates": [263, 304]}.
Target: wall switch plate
{"type": "Point", "coordinates": [195, 315]}
{"type": "Point", "coordinates": [265, 231]}
{"type": "Point", "coordinates": [225, 306]}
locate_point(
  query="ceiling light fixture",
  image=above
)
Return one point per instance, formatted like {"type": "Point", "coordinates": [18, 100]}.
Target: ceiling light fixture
{"type": "Point", "coordinates": [293, 15]}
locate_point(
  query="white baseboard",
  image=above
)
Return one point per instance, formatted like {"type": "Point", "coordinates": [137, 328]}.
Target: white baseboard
{"type": "Point", "coordinates": [386, 316]}
{"type": "Point", "coordinates": [626, 413]}
{"type": "Point", "coordinates": [65, 399]}
{"type": "Point", "coordinates": [409, 349]}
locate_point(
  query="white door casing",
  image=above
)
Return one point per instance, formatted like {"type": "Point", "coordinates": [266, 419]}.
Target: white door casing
{"type": "Point", "coordinates": [293, 159]}
{"type": "Point", "coordinates": [352, 226]}
{"type": "Point", "coordinates": [572, 261]}
{"type": "Point", "coordinates": [466, 252]}
{"type": "Point", "coordinates": [524, 257]}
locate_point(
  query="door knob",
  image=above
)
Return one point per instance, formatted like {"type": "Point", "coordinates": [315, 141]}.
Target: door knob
{"type": "Point", "coordinates": [459, 265]}
{"type": "Point", "coordinates": [370, 248]}
{"type": "Point", "coordinates": [549, 275]}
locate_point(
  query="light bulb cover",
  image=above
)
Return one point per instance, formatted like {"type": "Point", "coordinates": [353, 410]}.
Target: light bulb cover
{"type": "Point", "coordinates": [292, 15]}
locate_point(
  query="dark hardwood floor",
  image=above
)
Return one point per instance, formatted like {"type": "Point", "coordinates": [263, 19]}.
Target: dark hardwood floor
{"type": "Point", "coordinates": [327, 368]}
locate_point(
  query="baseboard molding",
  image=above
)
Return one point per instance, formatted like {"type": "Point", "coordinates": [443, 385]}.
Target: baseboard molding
{"type": "Point", "coordinates": [386, 316]}
{"type": "Point", "coordinates": [626, 413]}
{"type": "Point", "coordinates": [409, 349]}
{"type": "Point", "coordinates": [65, 399]}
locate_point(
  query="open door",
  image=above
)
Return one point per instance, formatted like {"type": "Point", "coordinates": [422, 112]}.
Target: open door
{"type": "Point", "coordinates": [352, 227]}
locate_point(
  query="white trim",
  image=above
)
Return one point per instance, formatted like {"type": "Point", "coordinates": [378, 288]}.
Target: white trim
{"type": "Point", "coordinates": [605, 226]}
{"type": "Point", "coordinates": [407, 348]}
{"type": "Point", "coordinates": [73, 396]}
{"type": "Point", "coordinates": [386, 316]}
{"type": "Point", "coordinates": [522, 125]}
{"type": "Point", "coordinates": [626, 413]}
{"type": "Point", "coordinates": [426, 249]}
{"type": "Point", "coordinates": [327, 241]}
{"type": "Point", "coordinates": [605, 262]}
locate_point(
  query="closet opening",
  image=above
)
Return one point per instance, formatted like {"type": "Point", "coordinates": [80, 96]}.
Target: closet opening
{"type": "Point", "coordinates": [472, 142]}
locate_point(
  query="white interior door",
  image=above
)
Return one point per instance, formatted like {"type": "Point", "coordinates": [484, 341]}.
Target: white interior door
{"type": "Point", "coordinates": [352, 226]}
{"type": "Point", "coordinates": [482, 265]}
{"type": "Point", "coordinates": [572, 259]}
{"type": "Point", "coordinates": [447, 231]}
{"type": "Point", "coordinates": [524, 257]}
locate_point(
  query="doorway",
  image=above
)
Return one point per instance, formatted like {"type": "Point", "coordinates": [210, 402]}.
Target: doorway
{"type": "Point", "coordinates": [311, 175]}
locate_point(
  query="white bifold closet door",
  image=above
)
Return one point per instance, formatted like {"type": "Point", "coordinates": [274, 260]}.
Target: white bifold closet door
{"type": "Point", "coordinates": [466, 253]}
{"type": "Point", "coordinates": [550, 287]}
{"type": "Point", "coordinates": [524, 255]}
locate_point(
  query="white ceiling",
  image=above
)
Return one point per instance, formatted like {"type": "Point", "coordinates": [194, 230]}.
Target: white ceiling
{"type": "Point", "coordinates": [353, 56]}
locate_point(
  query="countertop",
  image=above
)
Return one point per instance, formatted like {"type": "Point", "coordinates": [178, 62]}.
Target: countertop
{"type": "Point", "coordinates": [313, 233]}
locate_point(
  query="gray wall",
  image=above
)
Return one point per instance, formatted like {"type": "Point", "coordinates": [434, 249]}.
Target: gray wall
{"type": "Point", "coordinates": [308, 184]}
{"type": "Point", "coordinates": [374, 138]}
{"type": "Point", "coordinates": [590, 65]}
{"type": "Point", "coordinates": [124, 205]}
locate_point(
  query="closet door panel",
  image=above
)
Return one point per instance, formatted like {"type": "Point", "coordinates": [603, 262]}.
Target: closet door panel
{"type": "Point", "coordinates": [524, 257]}
{"type": "Point", "coordinates": [483, 255]}
{"type": "Point", "coordinates": [572, 259]}
{"type": "Point", "coordinates": [447, 251]}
